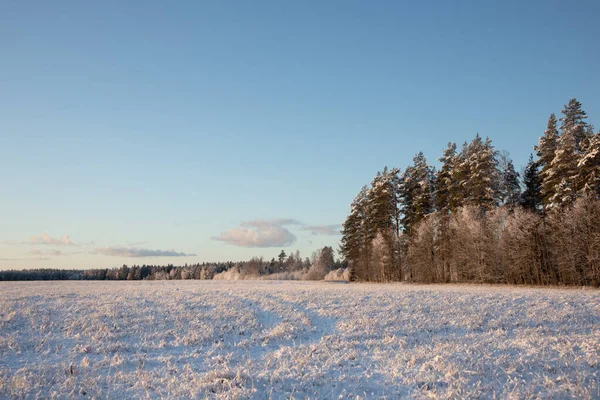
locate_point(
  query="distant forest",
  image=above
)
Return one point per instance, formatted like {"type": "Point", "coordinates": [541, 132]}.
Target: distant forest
{"type": "Point", "coordinates": [285, 266]}
{"type": "Point", "coordinates": [476, 219]}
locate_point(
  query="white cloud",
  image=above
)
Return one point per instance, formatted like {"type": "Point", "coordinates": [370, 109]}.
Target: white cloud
{"type": "Point", "coordinates": [137, 252]}
{"type": "Point", "coordinates": [44, 238]}
{"type": "Point", "coordinates": [260, 233]}
{"type": "Point", "coordinates": [330, 230]}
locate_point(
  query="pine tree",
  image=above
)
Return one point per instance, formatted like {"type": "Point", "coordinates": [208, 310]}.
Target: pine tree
{"type": "Point", "coordinates": [448, 189]}
{"type": "Point", "coordinates": [573, 122]}
{"type": "Point", "coordinates": [482, 182]}
{"type": "Point", "coordinates": [563, 170]}
{"type": "Point", "coordinates": [416, 192]}
{"type": "Point", "coordinates": [355, 245]}
{"type": "Point", "coordinates": [448, 196]}
{"type": "Point", "coordinates": [382, 215]}
{"type": "Point", "coordinates": [546, 150]}
{"type": "Point", "coordinates": [281, 258]}
{"type": "Point", "coordinates": [573, 125]}
{"type": "Point", "coordinates": [531, 198]}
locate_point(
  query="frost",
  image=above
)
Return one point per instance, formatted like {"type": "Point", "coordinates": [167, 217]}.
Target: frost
{"type": "Point", "coordinates": [257, 339]}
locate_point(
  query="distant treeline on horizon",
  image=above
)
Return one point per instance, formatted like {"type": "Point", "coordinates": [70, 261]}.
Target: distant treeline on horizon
{"type": "Point", "coordinates": [291, 266]}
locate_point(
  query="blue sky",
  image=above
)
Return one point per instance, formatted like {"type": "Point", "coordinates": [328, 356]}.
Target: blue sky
{"type": "Point", "coordinates": [186, 131]}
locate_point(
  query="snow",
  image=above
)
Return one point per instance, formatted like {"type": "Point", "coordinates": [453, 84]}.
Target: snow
{"type": "Point", "coordinates": [261, 339]}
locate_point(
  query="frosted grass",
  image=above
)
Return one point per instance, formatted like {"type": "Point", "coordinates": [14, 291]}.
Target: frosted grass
{"type": "Point", "coordinates": [258, 339]}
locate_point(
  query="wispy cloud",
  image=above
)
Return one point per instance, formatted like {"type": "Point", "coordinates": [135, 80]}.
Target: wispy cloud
{"type": "Point", "coordinates": [46, 252]}
{"type": "Point", "coordinates": [116, 251]}
{"type": "Point", "coordinates": [46, 239]}
{"type": "Point", "coordinates": [260, 233]}
{"type": "Point", "coordinates": [330, 230]}
{"type": "Point", "coordinates": [135, 244]}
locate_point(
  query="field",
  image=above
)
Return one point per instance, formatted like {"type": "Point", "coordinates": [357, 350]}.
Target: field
{"type": "Point", "coordinates": [180, 339]}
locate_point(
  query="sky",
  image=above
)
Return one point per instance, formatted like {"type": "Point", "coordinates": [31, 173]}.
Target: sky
{"type": "Point", "coordinates": [149, 132]}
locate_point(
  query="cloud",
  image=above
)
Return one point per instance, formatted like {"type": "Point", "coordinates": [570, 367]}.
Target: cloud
{"type": "Point", "coordinates": [44, 238]}
{"type": "Point", "coordinates": [47, 252]}
{"type": "Point", "coordinates": [271, 232]}
{"type": "Point", "coordinates": [278, 221]}
{"type": "Point", "coordinates": [137, 252]}
{"type": "Point", "coordinates": [260, 233]}
{"type": "Point", "coordinates": [135, 244]}
{"type": "Point", "coordinates": [330, 230]}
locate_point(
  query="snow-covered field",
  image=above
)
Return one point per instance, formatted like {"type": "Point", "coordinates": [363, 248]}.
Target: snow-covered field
{"type": "Point", "coordinates": [243, 339]}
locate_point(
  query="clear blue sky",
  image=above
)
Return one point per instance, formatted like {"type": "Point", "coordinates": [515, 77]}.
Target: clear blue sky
{"type": "Point", "coordinates": [154, 128]}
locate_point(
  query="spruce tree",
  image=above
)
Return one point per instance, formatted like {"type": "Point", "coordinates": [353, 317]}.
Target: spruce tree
{"type": "Point", "coordinates": [531, 198]}
{"type": "Point", "coordinates": [510, 186]}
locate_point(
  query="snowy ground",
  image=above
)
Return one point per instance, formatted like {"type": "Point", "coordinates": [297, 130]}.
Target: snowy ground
{"type": "Point", "coordinates": [321, 340]}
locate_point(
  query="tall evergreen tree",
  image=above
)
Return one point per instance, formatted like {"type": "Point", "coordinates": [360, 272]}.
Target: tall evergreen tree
{"type": "Point", "coordinates": [445, 182]}
{"type": "Point", "coordinates": [355, 244]}
{"type": "Point", "coordinates": [416, 192]}
{"type": "Point", "coordinates": [563, 170]}
{"type": "Point", "coordinates": [382, 216]}
{"type": "Point", "coordinates": [531, 198]}
{"type": "Point", "coordinates": [589, 167]}
{"type": "Point", "coordinates": [573, 122]}
{"type": "Point", "coordinates": [482, 182]}
{"type": "Point", "coordinates": [510, 186]}
{"type": "Point", "coordinates": [576, 139]}
{"type": "Point", "coordinates": [546, 150]}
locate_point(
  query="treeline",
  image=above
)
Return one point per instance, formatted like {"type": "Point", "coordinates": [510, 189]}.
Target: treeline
{"type": "Point", "coordinates": [131, 273]}
{"type": "Point", "coordinates": [291, 266]}
{"type": "Point", "coordinates": [477, 220]}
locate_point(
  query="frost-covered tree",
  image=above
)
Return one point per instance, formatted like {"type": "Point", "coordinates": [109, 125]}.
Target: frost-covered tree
{"type": "Point", "coordinates": [531, 198]}
{"type": "Point", "coordinates": [525, 248]}
{"type": "Point", "coordinates": [380, 258]}
{"type": "Point", "coordinates": [323, 263]}
{"type": "Point", "coordinates": [423, 252]}
{"type": "Point", "coordinates": [588, 167]}
{"type": "Point", "coordinates": [563, 170]}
